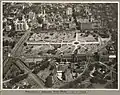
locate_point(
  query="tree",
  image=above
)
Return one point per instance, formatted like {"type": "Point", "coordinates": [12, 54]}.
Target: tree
{"type": "Point", "coordinates": [25, 44]}
{"type": "Point", "coordinates": [96, 56]}
{"type": "Point", "coordinates": [5, 43]}
{"type": "Point", "coordinates": [40, 20]}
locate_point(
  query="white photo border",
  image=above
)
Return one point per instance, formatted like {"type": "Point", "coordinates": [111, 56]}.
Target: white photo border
{"type": "Point", "coordinates": [57, 2]}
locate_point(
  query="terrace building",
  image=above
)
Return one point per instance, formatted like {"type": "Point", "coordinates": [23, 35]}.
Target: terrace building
{"type": "Point", "coordinates": [90, 26]}
{"type": "Point", "coordinates": [69, 11]}
{"type": "Point", "coordinates": [21, 25]}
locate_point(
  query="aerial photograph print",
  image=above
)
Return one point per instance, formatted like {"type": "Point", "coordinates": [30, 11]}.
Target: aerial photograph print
{"type": "Point", "coordinates": [59, 45]}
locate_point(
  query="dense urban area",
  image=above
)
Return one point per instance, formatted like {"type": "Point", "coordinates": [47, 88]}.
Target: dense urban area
{"type": "Point", "coordinates": [60, 45]}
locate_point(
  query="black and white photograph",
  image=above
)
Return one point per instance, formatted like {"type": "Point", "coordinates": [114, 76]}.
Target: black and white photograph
{"type": "Point", "coordinates": [59, 45]}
